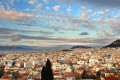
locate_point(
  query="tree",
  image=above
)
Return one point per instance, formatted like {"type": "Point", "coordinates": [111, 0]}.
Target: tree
{"type": "Point", "coordinates": [84, 75]}
{"type": "Point", "coordinates": [98, 73]}
{"type": "Point", "coordinates": [47, 73]}
{"type": "Point", "coordinates": [48, 64]}
{"type": "Point", "coordinates": [15, 75]}
{"type": "Point", "coordinates": [93, 77]}
{"type": "Point", "coordinates": [1, 71]}
{"type": "Point", "coordinates": [43, 73]}
{"type": "Point", "coordinates": [13, 63]}
{"type": "Point", "coordinates": [77, 76]}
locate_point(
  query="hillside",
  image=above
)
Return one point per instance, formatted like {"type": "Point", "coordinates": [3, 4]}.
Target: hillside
{"type": "Point", "coordinates": [74, 47]}
{"type": "Point", "coordinates": [114, 44]}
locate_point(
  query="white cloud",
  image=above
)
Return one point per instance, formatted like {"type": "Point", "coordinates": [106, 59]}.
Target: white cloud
{"type": "Point", "coordinates": [117, 17]}
{"type": "Point", "coordinates": [69, 9]}
{"type": "Point", "coordinates": [101, 12]}
{"type": "Point", "coordinates": [27, 9]}
{"type": "Point", "coordinates": [11, 2]}
{"type": "Point", "coordinates": [83, 8]}
{"type": "Point", "coordinates": [1, 6]}
{"type": "Point", "coordinates": [56, 8]}
{"type": "Point", "coordinates": [85, 14]}
{"type": "Point", "coordinates": [107, 10]}
{"type": "Point", "coordinates": [39, 5]}
{"type": "Point", "coordinates": [32, 1]}
{"type": "Point", "coordinates": [104, 12]}
{"type": "Point", "coordinates": [48, 8]}
{"type": "Point", "coordinates": [15, 16]}
{"type": "Point", "coordinates": [88, 12]}
{"type": "Point", "coordinates": [39, 16]}
{"type": "Point", "coordinates": [93, 14]}
{"type": "Point", "coordinates": [46, 1]}
{"type": "Point", "coordinates": [99, 20]}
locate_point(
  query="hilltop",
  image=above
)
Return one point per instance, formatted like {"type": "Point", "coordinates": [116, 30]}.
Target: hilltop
{"type": "Point", "coordinates": [74, 47]}
{"type": "Point", "coordinates": [114, 44]}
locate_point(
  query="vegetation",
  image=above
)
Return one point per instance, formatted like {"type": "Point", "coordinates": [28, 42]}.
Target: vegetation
{"type": "Point", "coordinates": [13, 63]}
{"type": "Point", "coordinates": [86, 76]}
{"type": "Point", "coordinates": [77, 76]}
{"type": "Point", "coordinates": [98, 73]}
{"type": "Point", "coordinates": [1, 71]}
{"type": "Point", "coordinates": [47, 73]}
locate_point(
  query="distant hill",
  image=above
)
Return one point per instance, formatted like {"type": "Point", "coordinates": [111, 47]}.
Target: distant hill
{"type": "Point", "coordinates": [74, 47]}
{"type": "Point", "coordinates": [15, 48]}
{"type": "Point", "coordinates": [114, 44]}
{"type": "Point", "coordinates": [33, 48]}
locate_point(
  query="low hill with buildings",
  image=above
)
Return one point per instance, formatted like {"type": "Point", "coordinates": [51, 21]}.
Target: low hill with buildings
{"type": "Point", "coordinates": [75, 47]}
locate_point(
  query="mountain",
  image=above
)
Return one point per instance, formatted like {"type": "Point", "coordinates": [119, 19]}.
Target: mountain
{"type": "Point", "coordinates": [74, 47]}
{"type": "Point", "coordinates": [114, 44]}
{"type": "Point", "coordinates": [15, 48]}
{"type": "Point", "coordinates": [32, 48]}
{"type": "Point", "coordinates": [37, 48]}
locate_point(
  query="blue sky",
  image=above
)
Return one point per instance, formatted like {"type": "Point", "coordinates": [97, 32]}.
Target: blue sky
{"type": "Point", "coordinates": [48, 23]}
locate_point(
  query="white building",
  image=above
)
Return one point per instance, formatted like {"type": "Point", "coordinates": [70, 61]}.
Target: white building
{"type": "Point", "coordinates": [27, 65]}
{"type": "Point", "coordinates": [56, 66]}
{"type": "Point", "coordinates": [81, 62]}
{"type": "Point", "coordinates": [69, 78]}
{"type": "Point", "coordinates": [35, 62]}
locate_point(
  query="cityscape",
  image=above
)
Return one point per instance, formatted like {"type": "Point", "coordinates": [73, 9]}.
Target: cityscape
{"type": "Point", "coordinates": [59, 40]}
{"type": "Point", "coordinates": [77, 63]}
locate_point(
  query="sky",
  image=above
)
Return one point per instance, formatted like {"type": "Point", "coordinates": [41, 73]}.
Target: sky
{"type": "Point", "coordinates": [47, 23]}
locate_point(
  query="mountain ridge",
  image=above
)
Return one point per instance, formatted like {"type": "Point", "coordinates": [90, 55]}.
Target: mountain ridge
{"type": "Point", "coordinates": [114, 44]}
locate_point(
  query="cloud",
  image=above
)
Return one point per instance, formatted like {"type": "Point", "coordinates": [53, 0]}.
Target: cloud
{"type": "Point", "coordinates": [1, 6]}
{"type": "Point", "coordinates": [46, 1]}
{"type": "Point", "coordinates": [101, 12]}
{"type": "Point", "coordinates": [101, 41]}
{"type": "Point", "coordinates": [48, 8]}
{"type": "Point", "coordinates": [16, 36]}
{"type": "Point", "coordinates": [100, 20]}
{"type": "Point", "coordinates": [94, 14]}
{"type": "Point", "coordinates": [67, 22]}
{"type": "Point", "coordinates": [27, 9]}
{"type": "Point", "coordinates": [14, 16]}
{"type": "Point", "coordinates": [39, 16]}
{"type": "Point", "coordinates": [4, 30]}
{"type": "Point", "coordinates": [38, 6]}
{"type": "Point", "coordinates": [98, 3]}
{"type": "Point", "coordinates": [69, 9]}
{"type": "Point", "coordinates": [32, 2]}
{"type": "Point", "coordinates": [56, 8]}
{"type": "Point", "coordinates": [83, 8]}
{"type": "Point", "coordinates": [98, 41]}
{"type": "Point", "coordinates": [8, 4]}
{"type": "Point", "coordinates": [12, 2]}
{"type": "Point", "coordinates": [115, 27]}
{"type": "Point", "coordinates": [107, 10]}
{"type": "Point", "coordinates": [17, 17]}
{"type": "Point", "coordinates": [84, 33]}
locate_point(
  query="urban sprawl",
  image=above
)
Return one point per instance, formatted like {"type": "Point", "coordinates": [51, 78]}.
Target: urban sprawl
{"type": "Point", "coordinates": [73, 64]}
